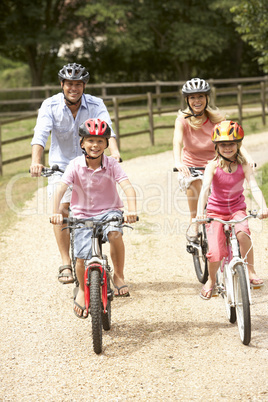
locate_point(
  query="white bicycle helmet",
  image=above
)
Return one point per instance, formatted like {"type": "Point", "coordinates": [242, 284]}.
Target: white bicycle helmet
{"type": "Point", "coordinates": [195, 85]}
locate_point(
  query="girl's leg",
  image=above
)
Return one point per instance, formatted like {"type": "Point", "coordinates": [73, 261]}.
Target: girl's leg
{"type": "Point", "coordinates": [207, 289]}
{"type": "Point", "coordinates": [80, 297]}
{"type": "Point", "coordinates": [117, 251]}
{"type": "Point", "coordinates": [245, 244]}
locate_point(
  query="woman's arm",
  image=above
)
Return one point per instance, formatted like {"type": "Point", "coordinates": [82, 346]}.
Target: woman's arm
{"type": "Point", "coordinates": [207, 180]}
{"type": "Point", "coordinates": [177, 148]}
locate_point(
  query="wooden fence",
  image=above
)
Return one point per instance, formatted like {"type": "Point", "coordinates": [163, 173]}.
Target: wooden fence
{"type": "Point", "coordinates": [160, 103]}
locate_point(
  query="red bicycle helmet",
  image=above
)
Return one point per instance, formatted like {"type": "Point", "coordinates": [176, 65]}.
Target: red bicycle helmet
{"type": "Point", "coordinates": [227, 130]}
{"type": "Point", "coordinates": [92, 127]}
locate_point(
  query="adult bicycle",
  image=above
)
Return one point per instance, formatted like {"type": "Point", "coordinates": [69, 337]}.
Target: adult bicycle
{"type": "Point", "coordinates": [97, 277]}
{"type": "Point", "coordinates": [232, 281]}
{"type": "Point", "coordinates": [199, 249]}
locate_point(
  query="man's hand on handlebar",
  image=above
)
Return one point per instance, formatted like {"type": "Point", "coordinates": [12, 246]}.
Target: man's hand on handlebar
{"type": "Point", "coordinates": [182, 169]}
{"type": "Point", "coordinates": [36, 169]}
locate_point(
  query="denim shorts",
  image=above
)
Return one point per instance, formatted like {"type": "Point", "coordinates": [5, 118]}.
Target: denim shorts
{"type": "Point", "coordinates": [82, 237]}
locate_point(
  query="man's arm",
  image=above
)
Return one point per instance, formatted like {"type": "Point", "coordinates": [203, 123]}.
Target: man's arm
{"type": "Point", "coordinates": [36, 165]}
{"type": "Point", "coordinates": [113, 148]}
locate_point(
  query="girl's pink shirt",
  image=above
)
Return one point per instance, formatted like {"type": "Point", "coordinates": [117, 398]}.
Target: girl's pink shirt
{"type": "Point", "coordinates": [198, 149]}
{"type": "Point", "coordinates": [227, 192]}
{"type": "Point", "coordinates": [94, 191]}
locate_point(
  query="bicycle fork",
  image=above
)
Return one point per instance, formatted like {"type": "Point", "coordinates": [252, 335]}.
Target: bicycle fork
{"type": "Point", "coordinates": [103, 284]}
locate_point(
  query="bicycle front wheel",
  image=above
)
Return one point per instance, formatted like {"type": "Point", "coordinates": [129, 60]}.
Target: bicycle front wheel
{"type": "Point", "coordinates": [199, 257]}
{"type": "Point", "coordinates": [107, 317]}
{"type": "Point", "coordinates": [226, 294]}
{"type": "Point", "coordinates": [242, 306]}
{"type": "Point", "coordinates": [96, 310]}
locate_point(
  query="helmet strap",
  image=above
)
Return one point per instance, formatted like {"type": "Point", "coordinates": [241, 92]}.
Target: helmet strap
{"type": "Point", "coordinates": [229, 160]}
{"type": "Point", "coordinates": [192, 114]}
{"type": "Point", "coordinates": [69, 103]}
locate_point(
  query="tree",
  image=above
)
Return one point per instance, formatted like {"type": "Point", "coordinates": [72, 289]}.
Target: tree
{"type": "Point", "coordinates": [252, 19]}
{"type": "Point", "coordinates": [33, 31]}
{"type": "Point", "coordinates": [142, 40]}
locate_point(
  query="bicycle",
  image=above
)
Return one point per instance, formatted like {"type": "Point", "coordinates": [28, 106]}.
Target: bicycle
{"type": "Point", "coordinates": [200, 249]}
{"type": "Point", "coordinates": [97, 277]}
{"type": "Point", "coordinates": [232, 281]}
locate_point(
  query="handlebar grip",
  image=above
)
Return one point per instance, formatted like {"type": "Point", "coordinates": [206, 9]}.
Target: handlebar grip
{"type": "Point", "coordinates": [175, 169]}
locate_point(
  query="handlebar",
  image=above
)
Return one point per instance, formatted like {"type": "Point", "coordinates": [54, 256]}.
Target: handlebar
{"type": "Point", "coordinates": [253, 214]}
{"type": "Point", "coordinates": [192, 169]}
{"type": "Point", "coordinates": [46, 172]}
{"type": "Point", "coordinates": [72, 221]}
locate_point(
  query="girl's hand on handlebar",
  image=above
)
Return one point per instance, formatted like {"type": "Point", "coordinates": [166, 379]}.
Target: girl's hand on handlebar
{"type": "Point", "coordinates": [36, 169]}
{"type": "Point", "coordinates": [200, 218]}
{"type": "Point", "coordinates": [56, 219]}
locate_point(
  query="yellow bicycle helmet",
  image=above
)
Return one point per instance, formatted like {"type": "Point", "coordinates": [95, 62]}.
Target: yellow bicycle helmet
{"type": "Point", "coordinates": [227, 130]}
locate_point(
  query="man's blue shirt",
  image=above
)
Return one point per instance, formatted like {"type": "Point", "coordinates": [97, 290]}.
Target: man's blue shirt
{"type": "Point", "coordinates": [56, 118]}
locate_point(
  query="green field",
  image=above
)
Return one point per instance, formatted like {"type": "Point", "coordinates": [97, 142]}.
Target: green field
{"type": "Point", "coordinates": [131, 147]}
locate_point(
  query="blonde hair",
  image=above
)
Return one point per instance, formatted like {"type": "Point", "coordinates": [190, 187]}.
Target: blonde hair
{"type": "Point", "coordinates": [214, 115]}
{"type": "Point", "coordinates": [241, 159]}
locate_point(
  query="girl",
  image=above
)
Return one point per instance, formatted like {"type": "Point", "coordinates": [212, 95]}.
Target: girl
{"type": "Point", "coordinates": [225, 175]}
{"type": "Point", "coordinates": [192, 144]}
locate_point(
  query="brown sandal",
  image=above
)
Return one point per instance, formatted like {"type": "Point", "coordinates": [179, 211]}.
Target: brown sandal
{"type": "Point", "coordinates": [62, 275]}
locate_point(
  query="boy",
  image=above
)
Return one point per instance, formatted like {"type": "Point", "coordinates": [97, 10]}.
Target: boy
{"type": "Point", "coordinates": [93, 177]}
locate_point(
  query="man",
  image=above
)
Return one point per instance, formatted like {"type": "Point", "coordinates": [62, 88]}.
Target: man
{"type": "Point", "coordinates": [61, 115]}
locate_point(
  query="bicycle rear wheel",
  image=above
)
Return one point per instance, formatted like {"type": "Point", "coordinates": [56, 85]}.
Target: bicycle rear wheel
{"type": "Point", "coordinates": [242, 304]}
{"type": "Point", "coordinates": [199, 257]}
{"type": "Point", "coordinates": [96, 310]}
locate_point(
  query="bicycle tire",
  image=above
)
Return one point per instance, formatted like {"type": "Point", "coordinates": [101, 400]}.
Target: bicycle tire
{"type": "Point", "coordinates": [73, 257]}
{"type": "Point", "coordinates": [242, 305]}
{"type": "Point", "coordinates": [107, 317]}
{"type": "Point", "coordinates": [96, 310]}
{"type": "Point", "coordinates": [200, 259]}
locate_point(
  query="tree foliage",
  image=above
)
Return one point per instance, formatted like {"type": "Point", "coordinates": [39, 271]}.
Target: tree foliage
{"type": "Point", "coordinates": [252, 19]}
{"type": "Point", "coordinates": [126, 40]}
{"type": "Point", "coordinates": [33, 31]}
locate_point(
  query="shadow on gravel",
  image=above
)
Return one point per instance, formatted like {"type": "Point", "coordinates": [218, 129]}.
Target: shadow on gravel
{"type": "Point", "coordinates": [138, 334]}
{"type": "Point", "coordinates": [183, 288]}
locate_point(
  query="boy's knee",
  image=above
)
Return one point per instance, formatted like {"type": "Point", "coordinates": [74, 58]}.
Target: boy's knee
{"type": "Point", "coordinates": [114, 236]}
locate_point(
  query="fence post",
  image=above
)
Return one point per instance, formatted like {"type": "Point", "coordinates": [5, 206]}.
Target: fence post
{"type": "Point", "coordinates": [213, 96]}
{"type": "Point", "coordinates": [116, 120]}
{"type": "Point", "coordinates": [158, 99]}
{"type": "Point", "coordinates": [263, 101]}
{"type": "Point", "coordinates": [239, 103]}
{"type": "Point", "coordinates": [150, 115]}
{"type": "Point", "coordinates": [1, 165]}
{"type": "Point", "coordinates": [103, 90]}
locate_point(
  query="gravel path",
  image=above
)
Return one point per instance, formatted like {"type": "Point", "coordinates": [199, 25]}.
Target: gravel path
{"type": "Point", "coordinates": [166, 343]}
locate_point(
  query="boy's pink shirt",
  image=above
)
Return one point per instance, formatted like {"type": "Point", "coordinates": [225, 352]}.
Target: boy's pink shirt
{"type": "Point", "coordinates": [94, 191]}
{"type": "Point", "coordinates": [198, 149]}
